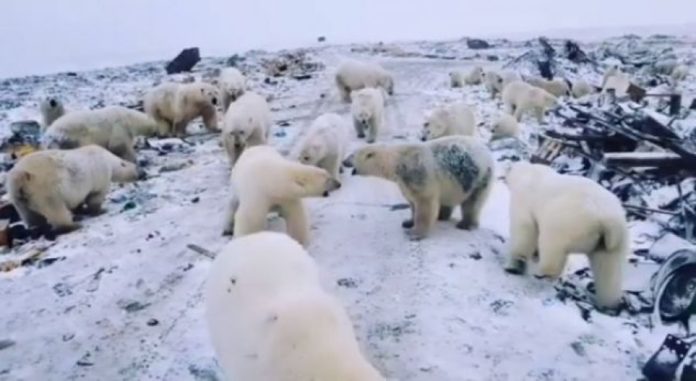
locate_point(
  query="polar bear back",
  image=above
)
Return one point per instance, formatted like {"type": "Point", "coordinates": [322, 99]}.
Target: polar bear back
{"type": "Point", "coordinates": [249, 112]}
{"type": "Point", "coordinates": [269, 318]}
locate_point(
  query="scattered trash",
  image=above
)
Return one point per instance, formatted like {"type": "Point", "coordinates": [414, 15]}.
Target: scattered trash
{"type": "Point", "coordinates": [321, 39]}
{"type": "Point", "coordinates": [663, 365]}
{"type": "Point", "coordinates": [201, 250]}
{"type": "Point", "coordinates": [131, 305]}
{"type": "Point", "coordinates": [152, 322]}
{"type": "Point", "coordinates": [184, 62]}
{"type": "Point", "coordinates": [128, 206]}
{"type": "Point", "coordinates": [6, 343]}
{"type": "Point", "coordinates": [294, 64]}
{"type": "Point", "coordinates": [347, 283]}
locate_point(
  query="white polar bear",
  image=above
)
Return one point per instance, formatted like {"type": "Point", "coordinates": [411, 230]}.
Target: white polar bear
{"type": "Point", "coordinates": [175, 105]}
{"type": "Point", "coordinates": [232, 84]}
{"type": "Point", "coordinates": [263, 180]}
{"type": "Point", "coordinates": [582, 88]}
{"type": "Point", "coordinates": [557, 87]}
{"type": "Point", "coordinates": [434, 177]}
{"type": "Point", "coordinates": [495, 82]}
{"type": "Point", "coordinates": [459, 79]}
{"type": "Point", "coordinates": [505, 127]}
{"type": "Point", "coordinates": [270, 319]}
{"type": "Point", "coordinates": [247, 123]}
{"type": "Point", "coordinates": [558, 215]}
{"type": "Point", "coordinates": [618, 82]}
{"type": "Point", "coordinates": [367, 107]}
{"type": "Point", "coordinates": [680, 73]}
{"type": "Point", "coordinates": [47, 186]}
{"type": "Point", "coordinates": [51, 108]}
{"type": "Point", "coordinates": [356, 75]}
{"type": "Point", "coordinates": [520, 98]}
{"type": "Point", "coordinates": [448, 120]}
{"type": "Point", "coordinates": [324, 146]}
{"type": "Point", "coordinates": [114, 128]}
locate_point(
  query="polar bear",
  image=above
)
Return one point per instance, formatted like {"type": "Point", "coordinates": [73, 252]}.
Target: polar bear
{"type": "Point", "coordinates": [232, 84]}
{"type": "Point", "coordinates": [263, 180]}
{"type": "Point", "coordinates": [51, 108]}
{"type": "Point", "coordinates": [459, 79]}
{"type": "Point", "coordinates": [520, 98]}
{"type": "Point", "coordinates": [247, 123]}
{"type": "Point", "coordinates": [610, 72]}
{"type": "Point", "coordinates": [175, 105]}
{"type": "Point", "coordinates": [355, 75]}
{"type": "Point", "coordinates": [495, 82]}
{"type": "Point", "coordinates": [448, 120]}
{"type": "Point", "coordinates": [367, 107]}
{"type": "Point", "coordinates": [557, 87]}
{"type": "Point", "coordinates": [680, 73]}
{"type": "Point", "coordinates": [47, 186]}
{"type": "Point", "coordinates": [558, 215]}
{"type": "Point", "coordinates": [434, 177]}
{"type": "Point", "coordinates": [582, 88]}
{"type": "Point", "coordinates": [324, 146]}
{"type": "Point", "coordinates": [282, 327]}
{"type": "Point", "coordinates": [112, 127]}
{"type": "Point", "coordinates": [618, 82]}
{"type": "Point", "coordinates": [505, 126]}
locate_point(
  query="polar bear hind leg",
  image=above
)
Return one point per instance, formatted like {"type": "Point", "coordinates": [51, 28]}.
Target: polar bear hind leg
{"type": "Point", "coordinates": [296, 222]}
{"type": "Point", "coordinates": [523, 244]}
{"type": "Point", "coordinates": [607, 274]}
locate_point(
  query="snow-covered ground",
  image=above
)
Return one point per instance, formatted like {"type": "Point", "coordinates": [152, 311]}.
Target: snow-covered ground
{"type": "Point", "coordinates": [124, 300]}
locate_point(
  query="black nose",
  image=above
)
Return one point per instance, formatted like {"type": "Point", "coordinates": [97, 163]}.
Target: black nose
{"type": "Point", "coordinates": [214, 101]}
{"type": "Point", "coordinates": [52, 103]}
{"type": "Point", "coordinates": [355, 171]}
{"type": "Point", "coordinates": [347, 163]}
{"type": "Point", "coordinates": [326, 193]}
{"type": "Point", "coordinates": [423, 138]}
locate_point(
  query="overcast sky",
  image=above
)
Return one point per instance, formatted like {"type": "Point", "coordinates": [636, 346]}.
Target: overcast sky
{"type": "Point", "coordinates": [40, 36]}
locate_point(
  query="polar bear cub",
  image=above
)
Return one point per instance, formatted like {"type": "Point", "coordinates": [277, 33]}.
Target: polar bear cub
{"type": "Point", "coordinates": [355, 75]}
{"type": "Point", "coordinates": [113, 127]}
{"type": "Point", "coordinates": [47, 186]}
{"type": "Point", "coordinates": [324, 146]}
{"type": "Point", "coordinates": [557, 215]}
{"type": "Point", "coordinates": [175, 105]}
{"type": "Point", "coordinates": [232, 84]}
{"type": "Point", "coordinates": [51, 108]}
{"type": "Point", "coordinates": [367, 108]}
{"type": "Point", "coordinates": [448, 120]}
{"type": "Point", "coordinates": [247, 123]}
{"type": "Point", "coordinates": [520, 98]}
{"type": "Point", "coordinates": [434, 177]}
{"type": "Point", "coordinates": [270, 319]}
{"type": "Point", "coordinates": [263, 180]}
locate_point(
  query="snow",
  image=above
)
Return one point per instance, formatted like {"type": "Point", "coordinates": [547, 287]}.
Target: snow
{"type": "Point", "coordinates": [439, 309]}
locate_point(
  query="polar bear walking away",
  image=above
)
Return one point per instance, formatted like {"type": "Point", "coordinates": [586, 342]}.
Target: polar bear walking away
{"type": "Point", "coordinates": [520, 98]}
{"type": "Point", "coordinates": [247, 123]}
{"type": "Point", "coordinates": [270, 320]}
{"type": "Point", "coordinates": [262, 181]}
{"type": "Point", "coordinates": [114, 128]}
{"type": "Point", "coordinates": [557, 215]}
{"type": "Point", "coordinates": [448, 120]}
{"type": "Point", "coordinates": [47, 186]}
{"type": "Point", "coordinates": [557, 87]}
{"type": "Point", "coordinates": [367, 108]}
{"type": "Point", "coordinates": [232, 84]}
{"type": "Point", "coordinates": [355, 75]}
{"type": "Point", "coordinates": [325, 144]}
{"type": "Point", "coordinates": [51, 109]}
{"type": "Point", "coordinates": [175, 105]}
{"type": "Point", "coordinates": [434, 177]}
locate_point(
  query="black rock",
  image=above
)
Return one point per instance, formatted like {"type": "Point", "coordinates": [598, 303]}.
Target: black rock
{"type": "Point", "coordinates": [184, 62]}
{"type": "Point", "coordinates": [152, 322]}
{"type": "Point", "coordinates": [493, 58]}
{"type": "Point", "coordinates": [474, 43]}
{"type": "Point", "coordinates": [321, 39]}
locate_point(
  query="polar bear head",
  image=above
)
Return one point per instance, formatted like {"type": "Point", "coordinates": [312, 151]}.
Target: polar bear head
{"type": "Point", "coordinates": [242, 131]}
{"type": "Point", "coordinates": [435, 125]}
{"type": "Point", "coordinates": [204, 94]}
{"type": "Point", "coordinates": [312, 152]}
{"type": "Point", "coordinates": [362, 105]}
{"type": "Point", "coordinates": [374, 160]}
{"type": "Point", "coordinates": [310, 181]}
{"type": "Point", "coordinates": [386, 82]}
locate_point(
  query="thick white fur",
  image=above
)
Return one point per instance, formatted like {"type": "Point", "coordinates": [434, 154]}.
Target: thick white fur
{"type": "Point", "coordinates": [367, 108]}
{"type": "Point", "coordinates": [175, 105]}
{"type": "Point", "coordinates": [232, 84]}
{"type": "Point", "coordinates": [325, 144]}
{"type": "Point", "coordinates": [506, 126]}
{"type": "Point", "coordinates": [51, 109]}
{"type": "Point", "coordinates": [448, 120]}
{"type": "Point", "coordinates": [247, 123]}
{"type": "Point", "coordinates": [47, 186]}
{"type": "Point", "coordinates": [355, 75]}
{"type": "Point", "coordinates": [558, 215]}
{"type": "Point", "coordinates": [521, 98]}
{"type": "Point", "coordinates": [495, 82]}
{"type": "Point", "coordinates": [270, 319]}
{"type": "Point", "coordinates": [582, 88]}
{"type": "Point", "coordinates": [114, 128]}
{"type": "Point", "coordinates": [263, 180]}
{"type": "Point", "coordinates": [557, 87]}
